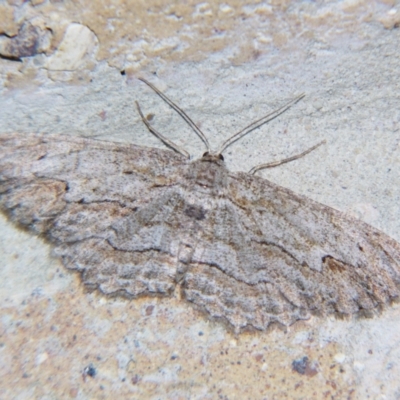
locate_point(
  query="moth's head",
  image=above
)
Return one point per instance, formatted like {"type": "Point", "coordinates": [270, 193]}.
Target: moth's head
{"type": "Point", "coordinates": [213, 158]}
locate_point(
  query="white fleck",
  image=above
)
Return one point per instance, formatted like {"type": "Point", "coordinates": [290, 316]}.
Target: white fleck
{"type": "Point", "coordinates": [340, 358]}
{"type": "Point", "coordinates": [225, 8]}
{"type": "Point", "coordinates": [41, 358]}
{"type": "Point", "coordinates": [358, 366]}
{"type": "Point", "coordinates": [264, 367]}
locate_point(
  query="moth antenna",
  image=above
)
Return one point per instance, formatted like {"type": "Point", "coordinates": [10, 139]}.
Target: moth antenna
{"type": "Point", "coordinates": [256, 124]}
{"type": "Point", "coordinates": [182, 113]}
{"type": "Point", "coordinates": [166, 141]}
{"type": "Point", "coordinates": [276, 163]}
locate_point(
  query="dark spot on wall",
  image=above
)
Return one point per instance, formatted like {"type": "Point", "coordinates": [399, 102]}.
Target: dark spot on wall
{"type": "Point", "coordinates": [149, 310]}
{"type": "Point", "coordinates": [90, 370]}
{"type": "Point", "coordinates": [304, 366]}
{"type": "Point", "coordinates": [150, 117]}
{"type": "Point", "coordinates": [29, 41]}
{"type": "Point", "coordinates": [135, 379]}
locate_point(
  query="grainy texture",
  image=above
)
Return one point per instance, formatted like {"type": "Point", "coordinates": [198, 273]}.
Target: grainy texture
{"type": "Point", "coordinates": [140, 221]}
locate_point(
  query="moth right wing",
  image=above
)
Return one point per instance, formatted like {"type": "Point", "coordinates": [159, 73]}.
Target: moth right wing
{"type": "Point", "coordinates": [74, 190]}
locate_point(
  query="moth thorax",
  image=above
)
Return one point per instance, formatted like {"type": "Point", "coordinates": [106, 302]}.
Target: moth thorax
{"type": "Point", "coordinates": [208, 174]}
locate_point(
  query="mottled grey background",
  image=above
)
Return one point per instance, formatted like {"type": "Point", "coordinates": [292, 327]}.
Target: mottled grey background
{"type": "Point", "coordinates": [225, 65]}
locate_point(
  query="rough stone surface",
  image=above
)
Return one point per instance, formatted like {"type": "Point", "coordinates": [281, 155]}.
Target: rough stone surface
{"type": "Point", "coordinates": [78, 42]}
{"type": "Point", "coordinates": [225, 64]}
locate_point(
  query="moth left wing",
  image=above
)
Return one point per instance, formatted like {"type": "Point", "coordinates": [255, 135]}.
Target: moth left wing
{"type": "Point", "coordinates": [279, 257]}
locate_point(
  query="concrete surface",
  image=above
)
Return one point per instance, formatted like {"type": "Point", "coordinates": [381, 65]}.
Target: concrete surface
{"type": "Point", "coordinates": [69, 68]}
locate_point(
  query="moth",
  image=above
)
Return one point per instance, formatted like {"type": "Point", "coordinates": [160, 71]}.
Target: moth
{"type": "Point", "coordinates": [138, 221]}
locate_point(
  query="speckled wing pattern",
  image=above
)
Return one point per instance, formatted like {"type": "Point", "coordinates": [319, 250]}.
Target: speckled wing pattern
{"type": "Point", "coordinates": [142, 221]}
